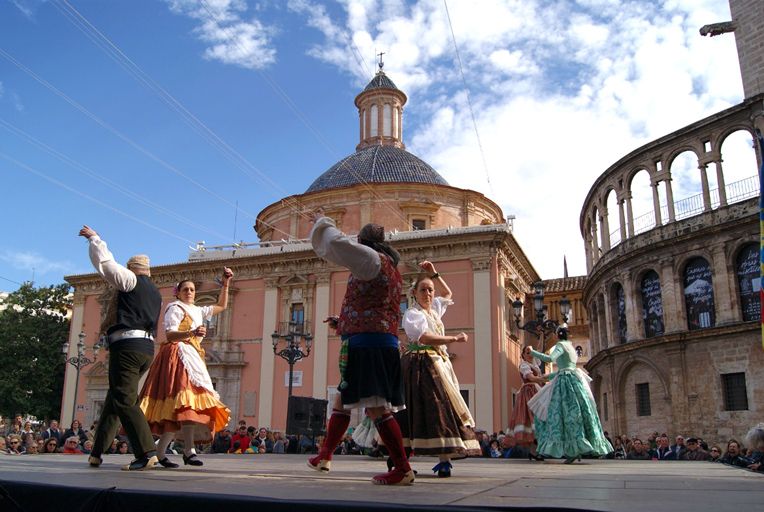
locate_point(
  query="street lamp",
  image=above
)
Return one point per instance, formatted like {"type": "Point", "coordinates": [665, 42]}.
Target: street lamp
{"type": "Point", "coordinates": [541, 324]}
{"type": "Point", "coordinates": [291, 333]}
{"type": "Point", "coordinates": [79, 361]}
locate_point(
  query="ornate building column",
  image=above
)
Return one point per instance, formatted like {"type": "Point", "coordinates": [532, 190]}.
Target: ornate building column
{"type": "Point", "coordinates": [670, 199]}
{"type": "Point", "coordinates": [706, 191]}
{"type": "Point", "coordinates": [656, 203]}
{"type": "Point", "coordinates": [629, 214]}
{"type": "Point", "coordinates": [321, 336]}
{"type": "Point", "coordinates": [672, 297]}
{"type": "Point", "coordinates": [607, 329]}
{"type": "Point", "coordinates": [633, 315]}
{"type": "Point", "coordinates": [622, 220]}
{"type": "Point", "coordinates": [605, 229]}
{"type": "Point", "coordinates": [481, 285]}
{"type": "Point", "coordinates": [267, 361]}
{"type": "Point", "coordinates": [595, 241]}
{"type": "Point", "coordinates": [724, 287]}
{"type": "Point", "coordinates": [77, 325]}
{"type": "Point", "coordinates": [720, 183]}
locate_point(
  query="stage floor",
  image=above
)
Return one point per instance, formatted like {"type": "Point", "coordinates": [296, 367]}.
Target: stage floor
{"type": "Point", "coordinates": [589, 485]}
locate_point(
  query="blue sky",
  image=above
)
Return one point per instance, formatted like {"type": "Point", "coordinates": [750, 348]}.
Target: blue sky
{"type": "Point", "coordinates": [151, 120]}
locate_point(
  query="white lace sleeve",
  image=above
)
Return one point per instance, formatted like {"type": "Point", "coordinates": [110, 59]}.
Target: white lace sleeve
{"type": "Point", "coordinates": [415, 324]}
{"type": "Point", "coordinates": [525, 369]}
{"type": "Point", "coordinates": [440, 304]}
{"type": "Point", "coordinates": [173, 316]}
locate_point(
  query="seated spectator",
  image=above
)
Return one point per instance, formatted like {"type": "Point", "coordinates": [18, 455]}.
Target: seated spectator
{"type": "Point", "coordinates": [306, 444]}
{"type": "Point", "coordinates": [27, 428]}
{"type": "Point", "coordinates": [652, 441]}
{"type": "Point", "coordinates": [14, 445]}
{"type": "Point", "coordinates": [87, 447]}
{"type": "Point", "coordinates": [292, 444]}
{"type": "Point", "coordinates": [3, 446]}
{"type": "Point", "coordinates": [715, 454]}
{"type": "Point", "coordinates": [76, 430]}
{"type": "Point", "coordinates": [113, 448]}
{"type": "Point", "coordinates": [72, 445]}
{"type": "Point", "coordinates": [733, 456]}
{"type": "Point", "coordinates": [31, 449]}
{"type": "Point", "coordinates": [27, 440]}
{"type": "Point", "coordinates": [264, 441]}
{"type": "Point", "coordinates": [50, 446]}
{"type": "Point", "coordinates": [280, 444]}
{"type": "Point", "coordinates": [679, 447]}
{"type": "Point", "coordinates": [53, 431]}
{"type": "Point", "coordinates": [241, 436]}
{"type": "Point", "coordinates": [619, 451]}
{"type": "Point", "coordinates": [664, 451]}
{"type": "Point", "coordinates": [494, 449]}
{"type": "Point", "coordinates": [222, 442]}
{"type": "Point", "coordinates": [694, 451]}
{"type": "Point", "coordinates": [123, 448]}
{"type": "Point", "coordinates": [510, 448]}
{"type": "Point", "coordinates": [755, 439]}
{"type": "Point", "coordinates": [639, 451]}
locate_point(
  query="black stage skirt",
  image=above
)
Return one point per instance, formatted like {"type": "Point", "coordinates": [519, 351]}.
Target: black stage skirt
{"type": "Point", "coordinates": [373, 374]}
{"type": "Point", "coordinates": [430, 424]}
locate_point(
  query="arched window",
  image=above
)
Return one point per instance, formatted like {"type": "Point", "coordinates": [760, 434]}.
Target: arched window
{"type": "Point", "coordinates": [698, 294]}
{"type": "Point", "coordinates": [374, 121]}
{"type": "Point", "coordinates": [387, 120]}
{"type": "Point", "coordinates": [652, 304]}
{"type": "Point", "coordinates": [619, 301]}
{"type": "Point", "coordinates": [749, 282]}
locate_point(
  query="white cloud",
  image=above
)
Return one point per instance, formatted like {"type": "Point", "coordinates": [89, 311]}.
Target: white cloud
{"type": "Point", "coordinates": [34, 262]}
{"type": "Point", "coordinates": [28, 7]}
{"type": "Point", "coordinates": [232, 39]}
{"type": "Point", "coordinates": [562, 89]}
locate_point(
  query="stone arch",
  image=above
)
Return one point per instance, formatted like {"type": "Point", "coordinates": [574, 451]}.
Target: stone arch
{"type": "Point", "coordinates": [610, 205]}
{"type": "Point", "coordinates": [687, 181]}
{"type": "Point", "coordinates": [738, 158]}
{"type": "Point", "coordinates": [639, 189]}
{"type": "Point", "coordinates": [638, 369]}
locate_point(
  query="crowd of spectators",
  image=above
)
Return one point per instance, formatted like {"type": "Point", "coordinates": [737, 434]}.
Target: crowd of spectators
{"type": "Point", "coordinates": [24, 437]}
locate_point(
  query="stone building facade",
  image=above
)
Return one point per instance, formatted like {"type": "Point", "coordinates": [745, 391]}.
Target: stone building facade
{"type": "Point", "coordinates": [674, 304]}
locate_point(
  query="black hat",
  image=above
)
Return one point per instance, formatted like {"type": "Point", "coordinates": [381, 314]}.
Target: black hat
{"type": "Point", "coordinates": [693, 440]}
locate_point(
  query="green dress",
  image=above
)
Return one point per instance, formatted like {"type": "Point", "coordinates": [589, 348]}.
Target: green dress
{"type": "Point", "coordinates": [566, 421]}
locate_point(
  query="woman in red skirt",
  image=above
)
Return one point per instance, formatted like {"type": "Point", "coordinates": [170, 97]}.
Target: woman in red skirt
{"type": "Point", "coordinates": [178, 392]}
{"type": "Point", "coordinates": [521, 421]}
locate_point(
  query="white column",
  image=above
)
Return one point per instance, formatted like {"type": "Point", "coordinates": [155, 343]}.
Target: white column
{"type": "Point", "coordinates": [503, 354]}
{"type": "Point", "coordinates": [481, 284]}
{"type": "Point", "coordinates": [265, 400]}
{"type": "Point", "coordinates": [320, 351]}
{"type": "Point", "coordinates": [70, 375]}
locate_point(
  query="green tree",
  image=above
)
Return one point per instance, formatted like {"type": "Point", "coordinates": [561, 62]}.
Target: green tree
{"type": "Point", "coordinates": [33, 328]}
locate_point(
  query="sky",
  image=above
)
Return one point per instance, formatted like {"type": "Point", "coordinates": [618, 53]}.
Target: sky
{"type": "Point", "coordinates": [164, 123]}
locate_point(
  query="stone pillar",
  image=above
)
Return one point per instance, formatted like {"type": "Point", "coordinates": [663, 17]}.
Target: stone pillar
{"type": "Point", "coordinates": [605, 230]}
{"type": "Point", "coordinates": [622, 220]}
{"type": "Point", "coordinates": [588, 251]}
{"type": "Point", "coordinates": [481, 286]}
{"type": "Point", "coordinates": [720, 183]}
{"type": "Point", "coordinates": [595, 240]}
{"type": "Point", "coordinates": [631, 293]}
{"type": "Point", "coordinates": [679, 422]}
{"type": "Point", "coordinates": [672, 297]}
{"type": "Point", "coordinates": [670, 200]}
{"type": "Point", "coordinates": [77, 325]}
{"type": "Point", "coordinates": [656, 203]}
{"type": "Point", "coordinates": [320, 350]}
{"type": "Point", "coordinates": [267, 357]}
{"type": "Point", "coordinates": [724, 287]}
{"type": "Point", "coordinates": [706, 191]}
{"type": "Point", "coordinates": [630, 215]}
{"type": "Point", "coordinates": [607, 318]}
{"type": "Point", "coordinates": [504, 391]}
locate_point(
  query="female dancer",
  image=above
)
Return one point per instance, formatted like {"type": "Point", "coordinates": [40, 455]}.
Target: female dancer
{"type": "Point", "coordinates": [566, 420]}
{"type": "Point", "coordinates": [369, 323]}
{"type": "Point", "coordinates": [436, 421]}
{"type": "Point", "coordinates": [521, 421]}
{"type": "Point", "coordinates": [178, 393]}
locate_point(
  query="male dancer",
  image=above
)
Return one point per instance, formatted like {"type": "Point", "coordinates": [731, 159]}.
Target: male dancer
{"type": "Point", "coordinates": [368, 322]}
{"type": "Point", "coordinates": [131, 348]}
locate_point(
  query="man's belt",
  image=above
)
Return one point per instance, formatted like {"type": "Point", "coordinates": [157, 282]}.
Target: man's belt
{"type": "Point", "coordinates": [129, 334]}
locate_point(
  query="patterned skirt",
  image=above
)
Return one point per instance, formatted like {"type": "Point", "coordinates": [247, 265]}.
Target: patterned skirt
{"type": "Point", "coordinates": [521, 421]}
{"type": "Point", "coordinates": [568, 425]}
{"type": "Point", "coordinates": [372, 376]}
{"type": "Point", "coordinates": [177, 392]}
{"type": "Point", "coordinates": [436, 420]}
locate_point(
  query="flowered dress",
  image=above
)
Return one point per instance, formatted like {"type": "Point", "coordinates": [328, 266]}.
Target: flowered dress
{"type": "Point", "coordinates": [521, 421]}
{"type": "Point", "coordinates": [565, 416]}
{"type": "Point", "coordinates": [178, 387]}
{"type": "Point", "coordinates": [437, 421]}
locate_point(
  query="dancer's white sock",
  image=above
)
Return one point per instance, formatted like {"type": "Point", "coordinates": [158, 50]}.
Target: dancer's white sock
{"type": "Point", "coordinates": [188, 440]}
{"type": "Point", "coordinates": [164, 442]}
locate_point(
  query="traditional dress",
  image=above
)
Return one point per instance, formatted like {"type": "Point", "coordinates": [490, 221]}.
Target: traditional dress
{"type": "Point", "coordinates": [521, 421]}
{"type": "Point", "coordinates": [565, 415]}
{"type": "Point", "coordinates": [178, 387]}
{"type": "Point", "coordinates": [437, 421]}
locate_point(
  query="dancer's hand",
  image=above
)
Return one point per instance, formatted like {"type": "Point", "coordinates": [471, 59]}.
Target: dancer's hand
{"type": "Point", "coordinates": [200, 331]}
{"type": "Point", "coordinates": [87, 232]}
{"type": "Point", "coordinates": [461, 338]}
{"type": "Point", "coordinates": [428, 267]}
{"type": "Point", "coordinates": [333, 321]}
{"type": "Point", "coordinates": [227, 276]}
{"type": "Point", "coordinates": [316, 214]}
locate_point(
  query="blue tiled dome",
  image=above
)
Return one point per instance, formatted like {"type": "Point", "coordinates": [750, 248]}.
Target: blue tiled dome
{"type": "Point", "coordinates": [380, 81]}
{"type": "Point", "coordinates": [377, 164]}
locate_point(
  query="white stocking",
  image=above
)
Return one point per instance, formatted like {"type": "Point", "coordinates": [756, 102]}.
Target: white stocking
{"type": "Point", "coordinates": [188, 439]}
{"type": "Point", "coordinates": [163, 443]}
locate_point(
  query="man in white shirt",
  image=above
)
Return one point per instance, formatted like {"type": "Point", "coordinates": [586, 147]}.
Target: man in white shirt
{"type": "Point", "coordinates": [136, 310]}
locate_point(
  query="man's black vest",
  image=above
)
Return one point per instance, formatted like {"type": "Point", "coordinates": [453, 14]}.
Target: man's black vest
{"type": "Point", "coordinates": [138, 309]}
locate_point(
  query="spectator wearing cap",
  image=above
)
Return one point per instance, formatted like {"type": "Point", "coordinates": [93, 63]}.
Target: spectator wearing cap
{"type": "Point", "coordinates": [694, 451]}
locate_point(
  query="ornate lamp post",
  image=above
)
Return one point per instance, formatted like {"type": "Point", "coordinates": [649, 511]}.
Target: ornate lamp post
{"type": "Point", "coordinates": [541, 324]}
{"type": "Point", "coordinates": [79, 361]}
{"type": "Point", "coordinates": [291, 333]}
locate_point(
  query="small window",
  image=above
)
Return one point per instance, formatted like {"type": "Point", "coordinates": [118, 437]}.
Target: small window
{"type": "Point", "coordinates": [418, 224]}
{"type": "Point", "coordinates": [643, 399]}
{"type": "Point", "coordinates": [297, 316]}
{"type": "Point", "coordinates": [734, 391]}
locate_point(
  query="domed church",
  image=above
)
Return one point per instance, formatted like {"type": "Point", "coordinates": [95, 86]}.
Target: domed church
{"type": "Point", "coordinates": [282, 289]}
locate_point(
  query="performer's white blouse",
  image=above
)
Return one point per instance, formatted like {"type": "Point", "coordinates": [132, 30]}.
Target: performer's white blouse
{"type": "Point", "coordinates": [526, 369]}
{"type": "Point", "coordinates": [173, 315]}
{"type": "Point", "coordinates": [416, 322]}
